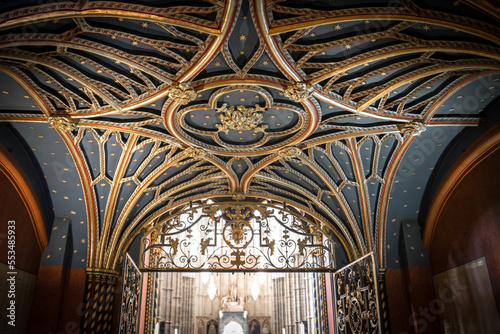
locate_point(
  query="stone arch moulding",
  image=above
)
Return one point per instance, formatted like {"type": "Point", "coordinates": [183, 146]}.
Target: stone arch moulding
{"type": "Point", "coordinates": [480, 150]}
{"type": "Point", "coordinates": [13, 172]}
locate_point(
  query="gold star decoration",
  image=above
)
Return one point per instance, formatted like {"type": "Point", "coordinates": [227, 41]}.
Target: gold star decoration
{"type": "Point", "coordinates": [312, 34]}
{"type": "Point", "coordinates": [243, 37]}
{"type": "Point", "coordinates": [217, 63]}
{"type": "Point", "coordinates": [265, 62]}
{"type": "Point", "coordinates": [145, 24]}
{"type": "Point", "coordinates": [242, 52]}
{"type": "Point", "coordinates": [425, 27]}
{"type": "Point", "coordinates": [135, 43]}
{"type": "Point", "coordinates": [337, 27]}
{"type": "Point", "coordinates": [347, 46]}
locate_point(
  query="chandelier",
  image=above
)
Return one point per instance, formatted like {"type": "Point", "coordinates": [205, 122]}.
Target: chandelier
{"type": "Point", "coordinates": [211, 288]}
{"type": "Point", "coordinates": [255, 288]}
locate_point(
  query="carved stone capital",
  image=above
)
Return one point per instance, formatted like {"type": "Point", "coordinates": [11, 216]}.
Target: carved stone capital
{"type": "Point", "coordinates": [299, 92]}
{"type": "Point", "coordinates": [61, 122]}
{"type": "Point", "coordinates": [182, 93]}
{"type": "Point", "coordinates": [290, 152]}
{"type": "Point", "coordinates": [194, 152]}
{"type": "Point", "coordinates": [413, 128]}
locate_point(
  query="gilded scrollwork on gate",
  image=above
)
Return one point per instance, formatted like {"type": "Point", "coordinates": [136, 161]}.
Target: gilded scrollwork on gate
{"type": "Point", "coordinates": [235, 236]}
{"type": "Point", "coordinates": [356, 295]}
{"type": "Point", "coordinates": [131, 293]}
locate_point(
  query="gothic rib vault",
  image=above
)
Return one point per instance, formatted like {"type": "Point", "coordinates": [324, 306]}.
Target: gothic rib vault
{"type": "Point", "coordinates": [132, 110]}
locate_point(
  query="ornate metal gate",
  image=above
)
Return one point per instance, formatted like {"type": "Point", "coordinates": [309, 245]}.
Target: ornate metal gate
{"type": "Point", "coordinates": [356, 297]}
{"type": "Point", "coordinates": [131, 292]}
{"type": "Point", "coordinates": [236, 236]}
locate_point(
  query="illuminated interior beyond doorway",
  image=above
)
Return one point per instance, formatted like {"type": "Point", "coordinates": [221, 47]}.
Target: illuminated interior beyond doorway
{"type": "Point", "coordinates": [194, 303]}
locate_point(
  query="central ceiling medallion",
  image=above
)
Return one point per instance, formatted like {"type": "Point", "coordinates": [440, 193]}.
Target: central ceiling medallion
{"type": "Point", "coordinates": [241, 119]}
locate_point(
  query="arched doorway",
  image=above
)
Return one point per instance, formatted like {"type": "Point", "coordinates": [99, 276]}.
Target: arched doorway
{"type": "Point", "coordinates": [236, 237]}
{"type": "Point", "coordinates": [233, 322]}
{"type": "Point", "coordinates": [233, 328]}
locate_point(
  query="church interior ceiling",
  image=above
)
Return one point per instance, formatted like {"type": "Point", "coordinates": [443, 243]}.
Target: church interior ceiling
{"type": "Point", "coordinates": [340, 109]}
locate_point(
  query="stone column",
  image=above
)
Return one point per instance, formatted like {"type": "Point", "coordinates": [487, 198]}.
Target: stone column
{"type": "Point", "coordinates": [99, 295]}
{"type": "Point", "coordinates": [384, 306]}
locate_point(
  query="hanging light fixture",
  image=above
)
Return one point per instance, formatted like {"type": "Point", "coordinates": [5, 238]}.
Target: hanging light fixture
{"type": "Point", "coordinates": [255, 288]}
{"type": "Point", "coordinates": [211, 288]}
{"type": "Point", "coordinates": [205, 276]}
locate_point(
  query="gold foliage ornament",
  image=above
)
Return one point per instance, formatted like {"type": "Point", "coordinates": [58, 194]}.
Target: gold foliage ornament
{"type": "Point", "coordinates": [239, 196]}
{"type": "Point", "coordinates": [413, 128]}
{"type": "Point", "coordinates": [182, 93]}
{"type": "Point", "coordinates": [298, 92]}
{"type": "Point", "coordinates": [194, 152]}
{"type": "Point", "coordinates": [241, 119]}
{"type": "Point", "coordinates": [61, 122]}
{"type": "Point", "coordinates": [290, 152]}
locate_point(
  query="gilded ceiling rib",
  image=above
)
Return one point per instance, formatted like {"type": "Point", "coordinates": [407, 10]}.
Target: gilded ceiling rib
{"type": "Point", "coordinates": [85, 81]}
{"type": "Point", "coordinates": [175, 124]}
{"type": "Point", "coordinates": [227, 16]}
{"type": "Point", "coordinates": [261, 189]}
{"type": "Point", "coordinates": [259, 12]}
{"type": "Point", "coordinates": [229, 58]}
{"type": "Point", "coordinates": [121, 89]}
{"type": "Point", "coordinates": [364, 200]}
{"type": "Point", "coordinates": [308, 18]}
{"type": "Point", "coordinates": [384, 193]}
{"type": "Point", "coordinates": [176, 16]}
{"type": "Point", "coordinates": [119, 241]}
{"type": "Point", "coordinates": [272, 177]}
{"type": "Point", "coordinates": [28, 87]}
{"type": "Point", "coordinates": [143, 186]}
{"type": "Point", "coordinates": [338, 68]}
{"type": "Point", "coordinates": [374, 94]}
{"type": "Point", "coordinates": [336, 192]}
{"type": "Point", "coordinates": [72, 143]}
{"type": "Point", "coordinates": [115, 184]}
{"type": "Point", "coordinates": [431, 111]}
{"type": "Point", "coordinates": [138, 62]}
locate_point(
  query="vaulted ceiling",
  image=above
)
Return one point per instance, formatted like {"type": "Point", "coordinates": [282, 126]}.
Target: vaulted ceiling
{"type": "Point", "coordinates": [340, 109]}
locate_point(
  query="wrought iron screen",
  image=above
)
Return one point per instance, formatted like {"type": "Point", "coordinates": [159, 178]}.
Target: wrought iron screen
{"type": "Point", "coordinates": [236, 236]}
{"type": "Point", "coordinates": [131, 292]}
{"type": "Point", "coordinates": [356, 296]}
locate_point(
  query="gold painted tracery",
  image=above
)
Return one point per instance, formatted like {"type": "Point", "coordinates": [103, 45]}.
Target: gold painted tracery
{"type": "Point", "coordinates": [139, 101]}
